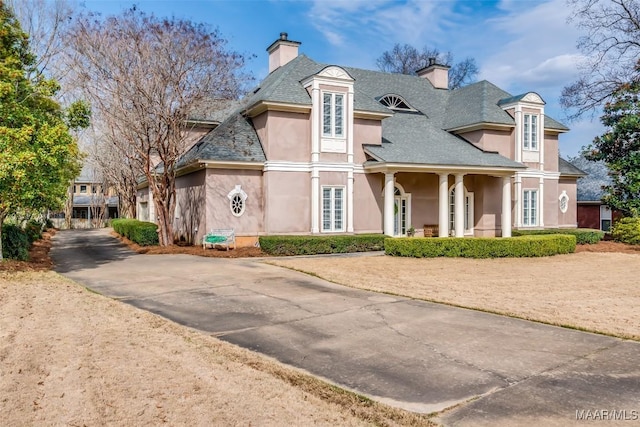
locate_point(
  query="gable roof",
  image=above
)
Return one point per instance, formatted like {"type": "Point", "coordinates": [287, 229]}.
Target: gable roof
{"type": "Point", "coordinates": [476, 103]}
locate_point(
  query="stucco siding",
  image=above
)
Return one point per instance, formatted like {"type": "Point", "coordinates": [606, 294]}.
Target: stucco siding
{"type": "Point", "coordinates": [288, 207]}
{"type": "Point", "coordinates": [219, 182]}
{"type": "Point", "coordinates": [488, 206]}
{"type": "Point", "coordinates": [552, 203]}
{"type": "Point", "coordinates": [365, 132]}
{"type": "Point", "coordinates": [367, 203]}
{"type": "Point", "coordinates": [551, 153]}
{"type": "Point", "coordinates": [569, 218]}
{"type": "Point", "coordinates": [424, 197]}
{"type": "Point", "coordinates": [492, 140]}
{"type": "Point", "coordinates": [189, 216]}
{"type": "Point", "coordinates": [288, 136]}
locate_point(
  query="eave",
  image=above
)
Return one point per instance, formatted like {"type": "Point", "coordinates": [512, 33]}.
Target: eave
{"type": "Point", "coordinates": [262, 106]}
{"type": "Point", "coordinates": [386, 167]}
{"type": "Point", "coordinates": [370, 115]}
{"type": "Point", "coordinates": [481, 126]}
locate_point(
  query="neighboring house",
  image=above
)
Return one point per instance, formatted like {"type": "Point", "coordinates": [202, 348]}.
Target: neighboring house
{"type": "Point", "coordinates": [90, 205]}
{"type": "Point", "coordinates": [321, 149]}
{"type": "Point", "coordinates": [592, 212]}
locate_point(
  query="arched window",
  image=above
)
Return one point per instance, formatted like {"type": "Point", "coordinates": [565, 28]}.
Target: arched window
{"type": "Point", "coordinates": [395, 102]}
{"type": "Point", "coordinates": [237, 200]}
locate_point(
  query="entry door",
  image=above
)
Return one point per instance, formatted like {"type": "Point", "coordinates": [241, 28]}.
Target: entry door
{"type": "Point", "coordinates": [468, 213]}
{"type": "Point", "coordinates": [400, 209]}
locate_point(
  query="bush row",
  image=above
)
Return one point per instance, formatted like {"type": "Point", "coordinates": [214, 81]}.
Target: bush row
{"type": "Point", "coordinates": [140, 232]}
{"type": "Point", "coordinates": [627, 230]}
{"type": "Point", "coordinates": [16, 240]}
{"type": "Point", "coordinates": [481, 247]}
{"type": "Point", "coordinates": [584, 236]}
{"type": "Point", "coordinates": [311, 245]}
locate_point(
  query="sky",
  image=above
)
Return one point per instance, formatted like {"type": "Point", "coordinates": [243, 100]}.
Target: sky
{"type": "Point", "coordinates": [519, 45]}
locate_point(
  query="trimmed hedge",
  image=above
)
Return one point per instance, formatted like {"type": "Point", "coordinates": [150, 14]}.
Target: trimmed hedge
{"type": "Point", "coordinates": [140, 232]}
{"type": "Point", "coordinates": [584, 236]}
{"type": "Point", "coordinates": [312, 245]}
{"type": "Point", "coordinates": [15, 243]}
{"type": "Point", "coordinates": [481, 247]}
{"type": "Point", "coordinates": [627, 230]}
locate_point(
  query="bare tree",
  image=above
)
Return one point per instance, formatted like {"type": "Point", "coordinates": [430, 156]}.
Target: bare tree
{"type": "Point", "coordinates": [144, 74]}
{"type": "Point", "coordinates": [45, 21]}
{"type": "Point", "coordinates": [406, 59]}
{"type": "Point", "coordinates": [611, 47]}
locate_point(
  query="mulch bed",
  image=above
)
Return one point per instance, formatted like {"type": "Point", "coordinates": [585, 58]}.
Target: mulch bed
{"type": "Point", "coordinates": [39, 259]}
{"type": "Point", "coordinates": [246, 252]}
{"type": "Point", "coordinates": [609, 246]}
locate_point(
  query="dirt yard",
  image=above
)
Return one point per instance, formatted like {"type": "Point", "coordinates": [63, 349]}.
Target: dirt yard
{"type": "Point", "coordinates": [596, 291]}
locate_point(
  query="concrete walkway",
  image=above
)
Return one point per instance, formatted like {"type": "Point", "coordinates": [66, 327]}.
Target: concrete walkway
{"type": "Point", "coordinates": [417, 355]}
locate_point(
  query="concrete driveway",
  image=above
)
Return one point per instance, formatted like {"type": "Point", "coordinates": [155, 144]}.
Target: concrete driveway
{"type": "Point", "coordinates": [490, 370]}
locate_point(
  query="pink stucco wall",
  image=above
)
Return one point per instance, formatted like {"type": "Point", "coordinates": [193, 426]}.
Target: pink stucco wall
{"type": "Point", "coordinates": [570, 218]}
{"type": "Point", "coordinates": [551, 203]}
{"type": "Point", "coordinates": [551, 153]}
{"type": "Point", "coordinates": [218, 184]}
{"type": "Point", "coordinates": [492, 140]}
{"type": "Point", "coordinates": [284, 136]}
{"type": "Point", "coordinates": [189, 217]}
{"type": "Point", "coordinates": [424, 196]}
{"type": "Point", "coordinates": [367, 203]}
{"type": "Point", "coordinates": [365, 132]}
{"type": "Point", "coordinates": [287, 202]}
{"type": "Point", "coordinates": [488, 206]}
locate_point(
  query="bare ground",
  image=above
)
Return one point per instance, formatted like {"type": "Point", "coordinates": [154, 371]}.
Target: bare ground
{"type": "Point", "coordinates": [595, 291]}
{"type": "Point", "coordinates": [72, 357]}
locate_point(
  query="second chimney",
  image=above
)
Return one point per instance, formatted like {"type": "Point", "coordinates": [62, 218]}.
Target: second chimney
{"type": "Point", "coordinates": [437, 74]}
{"type": "Point", "coordinates": [282, 51]}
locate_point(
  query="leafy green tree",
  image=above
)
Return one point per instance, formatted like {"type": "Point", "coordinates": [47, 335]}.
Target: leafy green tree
{"type": "Point", "coordinates": [619, 148]}
{"type": "Point", "coordinates": [38, 156]}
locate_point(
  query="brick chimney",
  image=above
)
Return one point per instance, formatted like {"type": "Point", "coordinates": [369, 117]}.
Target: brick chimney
{"type": "Point", "coordinates": [282, 51]}
{"type": "Point", "coordinates": [437, 74]}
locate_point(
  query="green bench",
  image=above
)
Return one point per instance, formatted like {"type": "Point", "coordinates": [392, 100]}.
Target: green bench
{"type": "Point", "coordinates": [220, 236]}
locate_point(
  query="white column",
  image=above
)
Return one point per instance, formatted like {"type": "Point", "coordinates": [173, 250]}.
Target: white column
{"type": "Point", "coordinates": [315, 201]}
{"type": "Point", "coordinates": [350, 125]}
{"type": "Point", "coordinates": [388, 203]}
{"type": "Point", "coordinates": [541, 138]}
{"type": "Point", "coordinates": [443, 205]}
{"type": "Point", "coordinates": [506, 206]}
{"type": "Point", "coordinates": [541, 203]}
{"type": "Point", "coordinates": [518, 131]}
{"type": "Point", "coordinates": [459, 206]}
{"type": "Point", "coordinates": [316, 108]}
{"type": "Point", "coordinates": [518, 199]}
{"type": "Point", "coordinates": [350, 201]}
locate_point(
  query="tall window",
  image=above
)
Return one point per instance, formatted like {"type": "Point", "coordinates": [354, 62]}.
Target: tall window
{"type": "Point", "coordinates": [332, 208]}
{"type": "Point", "coordinates": [530, 207]}
{"type": "Point", "coordinates": [530, 140]}
{"type": "Point", "coordinates": [333, 114]}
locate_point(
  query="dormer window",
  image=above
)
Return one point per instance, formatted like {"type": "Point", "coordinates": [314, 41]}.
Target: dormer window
{"type": "Point", "coordinates": [333, 115]}
{"type": "Point", "coordinates": [530, 137]}
{"type": "Point", "coordinates": [395, 102]}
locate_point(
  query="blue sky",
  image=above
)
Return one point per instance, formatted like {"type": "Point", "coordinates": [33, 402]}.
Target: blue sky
{"type": "Point", "coordinates": [519, 45]}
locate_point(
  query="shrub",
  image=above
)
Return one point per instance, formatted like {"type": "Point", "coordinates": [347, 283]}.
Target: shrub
{"type": "Point", "coordinates": [584, 236]}
{"type": "Point", "coordinates": [481, 247]}
{"type": "Point", "coordinates": [140, 232]}
{"type": "Point", "coordinates": [33, 230]}
{"type": "Point", "coordinates": [627, 230]}
{"type": "Point", "coordinates": [15, 243]}
{"type": "Point", "coordinates": [311, 245]}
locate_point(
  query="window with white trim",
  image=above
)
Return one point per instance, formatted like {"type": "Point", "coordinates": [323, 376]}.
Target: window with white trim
{"type": "Point", "coordinates": [332, 209]}
{"type": "Point", "coordinates": [530, 207]}
{"type": "Point", "coordinates": [333, 114]}
{"type": "Point", "coordinates": [468, 211]}
{"type": "Point", "coordinates": [237, 200]}
{"type": "Point", "coordinates": [530, 137]}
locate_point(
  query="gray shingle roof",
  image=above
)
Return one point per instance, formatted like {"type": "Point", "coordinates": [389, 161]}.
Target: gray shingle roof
{"type": "Point", "coordinates": [234, 140]}
{"type": "Point", "coordinates": [412, 138]}
{"type": "Point", "coordinates": [94, 200]}
{"type": "Point", "coordinates": [476, 103]}
{"type": "Point", "coordinates": [566, 168]}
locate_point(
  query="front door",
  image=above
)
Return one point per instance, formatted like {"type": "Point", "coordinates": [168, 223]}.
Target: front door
{"type": "Point", "coordinates": [400, 209]}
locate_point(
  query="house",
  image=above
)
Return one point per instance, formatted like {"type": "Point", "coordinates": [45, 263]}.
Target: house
{"type": "Point", "coordinates": [321, 148]}
{"type": "Point", "coordinates": [89, 204]}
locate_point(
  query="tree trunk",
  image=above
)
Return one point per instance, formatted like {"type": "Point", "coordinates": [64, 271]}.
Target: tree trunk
{"type": "Point", "coordinates": [3, 215]}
